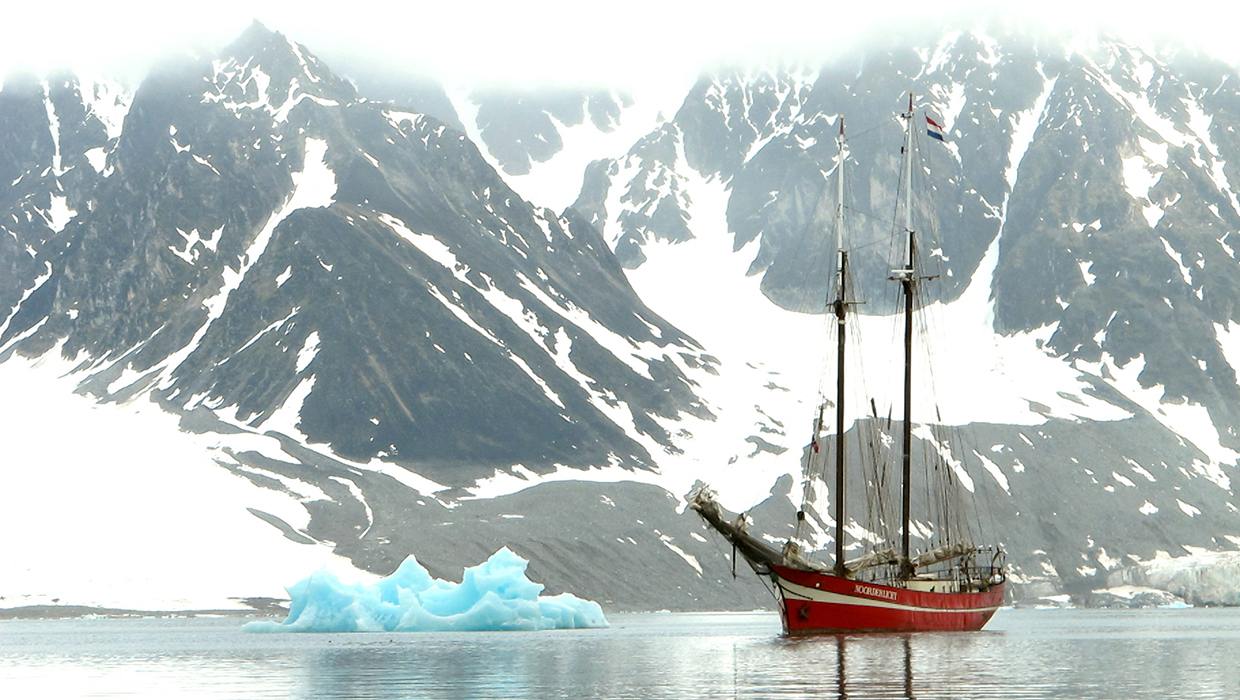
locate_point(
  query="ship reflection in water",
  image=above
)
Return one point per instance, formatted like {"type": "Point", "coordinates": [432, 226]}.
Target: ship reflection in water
{"type": "Point", "coordinates": [841, 669]}
{"type": "Point", "coordinates": [881, 665]}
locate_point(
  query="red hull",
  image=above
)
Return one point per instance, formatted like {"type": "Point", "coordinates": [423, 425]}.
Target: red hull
{"type": "Point", "coordinates": [814, 603]}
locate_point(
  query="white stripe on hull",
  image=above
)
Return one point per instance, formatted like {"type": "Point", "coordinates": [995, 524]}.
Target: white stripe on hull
{"type": "Point", "coordinates": [799, 592]}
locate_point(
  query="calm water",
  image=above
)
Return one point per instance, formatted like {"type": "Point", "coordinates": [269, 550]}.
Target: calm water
{"type": "Point", "coordinates": [1063, 654]}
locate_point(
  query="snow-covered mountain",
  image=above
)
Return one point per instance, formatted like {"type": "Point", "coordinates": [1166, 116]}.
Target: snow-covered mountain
{"type": "Point", "coordinates": [266, 253]}
{"type": "Point", "coordinates": [363, 335]}
{"type": "Point", "coordinates": [1104, 434]}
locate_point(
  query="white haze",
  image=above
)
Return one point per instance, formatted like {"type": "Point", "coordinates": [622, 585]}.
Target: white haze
{"type": "Point", "coordinates": [629, 43]}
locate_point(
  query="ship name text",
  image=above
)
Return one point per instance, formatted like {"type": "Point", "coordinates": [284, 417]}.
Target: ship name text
{"type": "Point", "coordinates": [874, 592]}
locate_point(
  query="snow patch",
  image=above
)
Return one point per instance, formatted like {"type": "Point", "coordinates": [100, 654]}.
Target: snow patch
{"type": "Point", "coordinates": [308, 351]}
{"type": "Point", "coordinates": [1179, 261]}
{"type": "Point", "coordinates": [1024, 127]}
{"type": "Point", "coordinates": [994, 471]}
{"type": "Point", "coordinates": [130, 465]}
{"type": "Point", "coordinates": [689, 558]}
{"type": "Point", "coordinates": [1089, 277]}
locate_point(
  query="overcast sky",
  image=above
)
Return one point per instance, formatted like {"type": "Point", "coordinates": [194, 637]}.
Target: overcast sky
{"type": "Point", "coordinates": [542, 40]}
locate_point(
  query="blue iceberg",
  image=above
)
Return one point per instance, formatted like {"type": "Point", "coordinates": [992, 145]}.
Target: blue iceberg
{"type": "Point", "coordinates": [495, 595]}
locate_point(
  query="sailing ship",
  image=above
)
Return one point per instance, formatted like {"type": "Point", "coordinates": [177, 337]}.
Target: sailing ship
{"type": "Point", "coordinates": [954, 584]}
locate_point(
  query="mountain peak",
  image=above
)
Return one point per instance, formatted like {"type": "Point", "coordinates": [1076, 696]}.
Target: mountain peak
{"type": "Point", "coordinates": [256, 34]}
{"type": "Point", "coordinates": [283, 67]}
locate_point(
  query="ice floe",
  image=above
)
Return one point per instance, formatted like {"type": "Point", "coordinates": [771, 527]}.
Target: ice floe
{"type": "Point", "coordinates": [495, 595]}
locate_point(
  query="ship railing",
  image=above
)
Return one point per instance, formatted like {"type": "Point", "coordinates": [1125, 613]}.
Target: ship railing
{"type": "Point", "coordinates": [972, 568]}
{"type": "Point", "coordinates": [991, 573]}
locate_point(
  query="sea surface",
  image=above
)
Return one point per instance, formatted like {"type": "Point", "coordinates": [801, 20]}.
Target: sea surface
{"type": "Point", "coordinates": [1062, 654]}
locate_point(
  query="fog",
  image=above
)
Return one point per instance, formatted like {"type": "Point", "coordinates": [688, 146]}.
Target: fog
{"type": "Point", "coordinates": [541, 42]}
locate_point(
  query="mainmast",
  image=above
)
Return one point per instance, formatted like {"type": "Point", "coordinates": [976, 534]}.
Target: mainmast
{"type": "Point", "coordinates": [908, 281]}
{"type": "Point", "coordinates": [841, 312]}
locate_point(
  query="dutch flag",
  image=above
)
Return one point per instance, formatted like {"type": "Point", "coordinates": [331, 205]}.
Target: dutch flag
{"type": "Point", "coordinates": [934, 129]}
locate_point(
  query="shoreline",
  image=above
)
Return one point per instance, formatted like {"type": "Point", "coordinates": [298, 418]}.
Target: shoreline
{"type": "Point", "coordinates": [257, 607]}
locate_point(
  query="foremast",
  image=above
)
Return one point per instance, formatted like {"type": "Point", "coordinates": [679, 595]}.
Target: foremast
{"type": "Point", "coordinates": [839, 308]}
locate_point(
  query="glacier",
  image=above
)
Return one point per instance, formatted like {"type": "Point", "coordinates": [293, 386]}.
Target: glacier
{"type": "Point", "coordinates": [495, 595]}
{"type": "Point", "coordinates": [1201, 577]}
